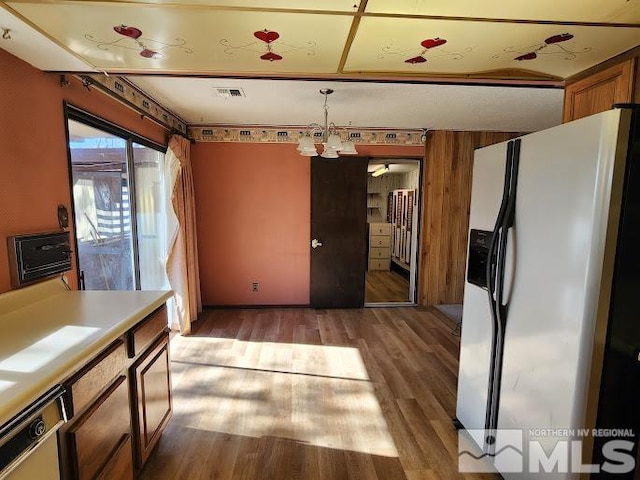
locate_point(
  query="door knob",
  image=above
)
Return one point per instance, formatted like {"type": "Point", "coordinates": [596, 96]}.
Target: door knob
{"type": "Point", "coordinates": [315, 243]}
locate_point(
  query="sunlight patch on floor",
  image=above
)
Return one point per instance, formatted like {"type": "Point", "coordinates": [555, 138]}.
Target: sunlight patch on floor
{"type": "Point", "coordinates": [320, 395]}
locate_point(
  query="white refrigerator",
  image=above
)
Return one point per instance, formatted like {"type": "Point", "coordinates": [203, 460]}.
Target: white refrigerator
{"type": "Point", "coordinates": [550, 340]}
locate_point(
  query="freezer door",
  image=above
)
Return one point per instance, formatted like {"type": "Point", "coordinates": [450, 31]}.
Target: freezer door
{"type": "Point", "coordinates": [475, 343]}
{"type": "Point", "coordinates": [555, 257]}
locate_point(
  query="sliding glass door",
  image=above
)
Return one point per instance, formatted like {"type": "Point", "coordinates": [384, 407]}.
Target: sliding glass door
{"type": "Point", "coordinates": [114, 180]}
{"type": "Point", "coordinates": [102, 209]}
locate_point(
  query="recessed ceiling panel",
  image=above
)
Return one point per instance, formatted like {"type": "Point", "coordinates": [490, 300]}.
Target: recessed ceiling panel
{"type": "Point", "coordinates": [612, 11]}
{"type": "Point", "coordinates": [375, 105]}
{"type": "Point", "coordinates": [25, 42]}
{"type": "Point", "coordinates": [420, 46]}
{"type": "Point", "coordinates": [147, 38]}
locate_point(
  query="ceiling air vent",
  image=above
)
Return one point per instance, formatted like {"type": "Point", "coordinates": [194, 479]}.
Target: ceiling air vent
{"type": "Point", "coordinates": [229, 92]}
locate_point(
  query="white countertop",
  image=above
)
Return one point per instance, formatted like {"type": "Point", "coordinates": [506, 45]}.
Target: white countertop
{"type": "Point", "coordinates": [48, 332]}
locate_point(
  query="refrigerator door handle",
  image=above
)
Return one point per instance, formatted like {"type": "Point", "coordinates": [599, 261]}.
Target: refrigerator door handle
{"type": "Point", "coordinates": [492, 285]}
{"type": "Point", "coordinates": [493, 245]}
{"type": "Point", "coordinates": [501, 307]}
{"type": "Point", "coordinates": [508, 223]}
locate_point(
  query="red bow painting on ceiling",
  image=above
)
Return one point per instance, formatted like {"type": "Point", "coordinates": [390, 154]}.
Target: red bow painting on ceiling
{"type": "Point", "coordinates": [431, 48]}
{"type": "Point", "coordinates": [550, 46]}
{"type": "Point", "coordinates": [265, 45]}
{"type": "Point", "coordinates": [131, 39]}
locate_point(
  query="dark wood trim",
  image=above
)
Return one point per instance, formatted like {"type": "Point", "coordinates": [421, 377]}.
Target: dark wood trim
{"type": "Point", "coordinates": [364, 77]}
{"type": "Point", "coordinates": [82, 116]}
{"type": "Point", "coordinates": [72, 220]}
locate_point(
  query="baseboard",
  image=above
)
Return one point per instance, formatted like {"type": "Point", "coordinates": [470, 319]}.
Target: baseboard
{"type": "Point", "coordinates": [252, 307]}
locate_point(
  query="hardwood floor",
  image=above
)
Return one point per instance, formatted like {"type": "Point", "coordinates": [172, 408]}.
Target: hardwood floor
{"type": "Point", "coordinates": [382, 286]}
{"type": "Point", "coordinates": [313, 394]}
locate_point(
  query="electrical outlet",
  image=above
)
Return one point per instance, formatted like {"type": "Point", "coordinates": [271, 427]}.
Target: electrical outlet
{"type": "Point", "coordinates": [255, 286]}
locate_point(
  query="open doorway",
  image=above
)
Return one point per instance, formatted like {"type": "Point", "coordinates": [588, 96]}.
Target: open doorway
{"type": "Point", "coordinates": [393, 193]}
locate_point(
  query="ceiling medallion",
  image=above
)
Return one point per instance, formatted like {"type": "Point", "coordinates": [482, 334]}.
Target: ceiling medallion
{"type": "Point", "coordinates": [550, 46]}
{"type": "Point", "coordinates": [131, 39]}
{"type": "Point", "coordinates": [268, 45]}
{"type": "Point", "coordinates": [430, 48]}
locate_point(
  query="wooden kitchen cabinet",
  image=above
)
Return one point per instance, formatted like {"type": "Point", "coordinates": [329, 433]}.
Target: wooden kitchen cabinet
{"type": "Point", "coordinates": [150, 383]}
{"type": "Point", "coordinates": [145, 332]}
{"type": "Point", "coordinates": [119, 403]}
{"type": "Point", "coordinates": [598, 92]}
{"type": "Point", "coordinates": [85, 386]}
{"type": "Point", "coordinates": [121, 465]}
{"type": "Point", "coordinates": [96, 435]}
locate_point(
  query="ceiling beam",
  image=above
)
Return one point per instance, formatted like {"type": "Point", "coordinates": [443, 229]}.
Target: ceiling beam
{"type": "Point", "coordinates": [355, 23]}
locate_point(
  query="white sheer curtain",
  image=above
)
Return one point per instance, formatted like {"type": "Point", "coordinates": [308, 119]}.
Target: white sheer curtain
{"type": "Point", "coordinates": [151, 217]}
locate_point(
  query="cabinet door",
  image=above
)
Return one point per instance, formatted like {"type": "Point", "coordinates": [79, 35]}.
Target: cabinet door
{"type": "Point", "coordinates": [96, 436]}
{"type": "Point", "coordinates": [120, 467]}
{"type": "Point", "coordinates": [600, 91]}
{"type": "Point", "coordinates": [151, 384]}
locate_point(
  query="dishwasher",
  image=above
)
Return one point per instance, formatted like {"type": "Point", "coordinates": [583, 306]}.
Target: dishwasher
{"type": "Point", "coordinates": [28, 442]}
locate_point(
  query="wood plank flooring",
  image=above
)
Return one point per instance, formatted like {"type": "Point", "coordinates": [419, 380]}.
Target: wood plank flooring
{"type": "Point", "coordinates": [313, 394]}
{"type": "Point", "coordinates": [382, 286]}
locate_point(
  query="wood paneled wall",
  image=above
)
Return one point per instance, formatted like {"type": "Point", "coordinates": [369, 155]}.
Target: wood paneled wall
{"type": "Point", "coordinates": [445, 216]}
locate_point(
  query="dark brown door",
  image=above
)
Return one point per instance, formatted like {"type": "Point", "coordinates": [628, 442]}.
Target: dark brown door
{"type": "Point", "coordinates": [339, 228]}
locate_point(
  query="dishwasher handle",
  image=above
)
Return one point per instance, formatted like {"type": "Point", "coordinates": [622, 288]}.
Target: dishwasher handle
{"type": "Point", "coordinates": [56, 394]}
{"type": "Point", "coordinates": [25, 432]}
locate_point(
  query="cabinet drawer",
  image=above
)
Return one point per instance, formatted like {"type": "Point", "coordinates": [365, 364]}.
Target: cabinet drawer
{"type": "Point", "coordinates": [143, 334]}
{"type": "Point", "coordinates": [87, 384]}
{"type": "Point", "coordinates": [379, 252]}
{"type": "Point", "coordinates": [379, 228]}
{"type": "Point", "coordinates": [97, 435]}
{"type": "Point", "coordinates": [377, 264]}
{"type": "Point", "coordinates": [120, 467]}
{"type": "Point", "coordinates": [380, 241]}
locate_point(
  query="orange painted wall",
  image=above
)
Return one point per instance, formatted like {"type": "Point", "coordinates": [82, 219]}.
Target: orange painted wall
{"type": "Point", "coordinates": [252, 207]}
{"type": "Point", "coordinates": [33, 166]}
{"type": "Point", "coordinates": [253, 220]}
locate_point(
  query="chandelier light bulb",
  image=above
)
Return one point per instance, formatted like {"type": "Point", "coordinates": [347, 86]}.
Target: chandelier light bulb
{"type": "Point", "coordinates": [330, 139]}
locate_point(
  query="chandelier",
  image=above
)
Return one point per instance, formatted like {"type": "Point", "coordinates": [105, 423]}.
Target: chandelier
{"type": "Point", "coordinates": [331, 142]}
